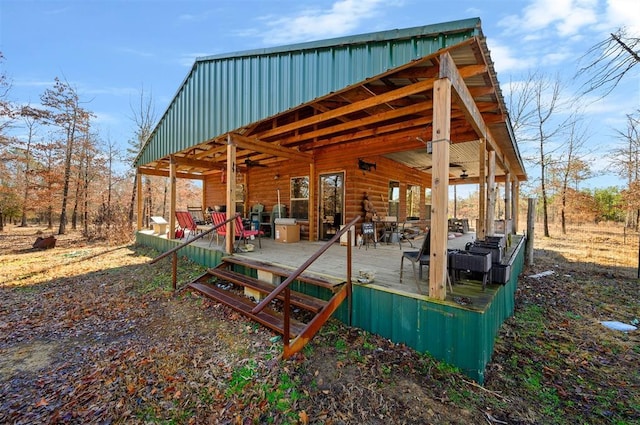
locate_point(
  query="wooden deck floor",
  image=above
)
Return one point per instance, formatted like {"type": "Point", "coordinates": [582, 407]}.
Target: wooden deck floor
{"type": "Point", "coordinates": [383, 261]}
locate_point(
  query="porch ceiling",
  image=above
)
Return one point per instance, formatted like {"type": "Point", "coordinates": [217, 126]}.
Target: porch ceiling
{"type": "Point", "coordinates": [389, 115]}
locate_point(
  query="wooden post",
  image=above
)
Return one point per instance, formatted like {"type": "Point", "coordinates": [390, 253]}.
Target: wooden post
{"type": "Point", "coordinates": [231, 193]}
{"type": "Point", "coordinates": [440, 188]}
{"type": "Point", "coordinates": [531, 214]}
{"type": "Point", "coordinates": [139, 201]}
{"type": "Point", "coordinates": [507, 198]}
{"type": "Point", "coordinates": [172, 198]}
{"type": "Point", "coordinates": [313, 225]}
{"type": "Point", "coordinates": [481, 231]}
{"type": "Point", "coordinates": [491, 194]}
{"type": "Point", "coordinates": [515, 199]}
{"type": "Point", "coordinates": [174, 270]}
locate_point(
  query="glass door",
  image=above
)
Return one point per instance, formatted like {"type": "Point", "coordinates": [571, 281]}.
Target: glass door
{"type": "Point", "coordinates": [331, 204]}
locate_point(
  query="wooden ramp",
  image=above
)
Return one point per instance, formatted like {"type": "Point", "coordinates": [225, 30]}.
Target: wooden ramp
{"type": "Point", "coordinates": [306, 314]}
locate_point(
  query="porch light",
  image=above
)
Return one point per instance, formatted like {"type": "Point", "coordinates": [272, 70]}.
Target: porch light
{"type": "Point", "coordinates": [464, 174]}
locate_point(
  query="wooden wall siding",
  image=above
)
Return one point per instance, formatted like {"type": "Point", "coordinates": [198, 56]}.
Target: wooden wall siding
{"type": "Point", "coordinates": [262, 185]}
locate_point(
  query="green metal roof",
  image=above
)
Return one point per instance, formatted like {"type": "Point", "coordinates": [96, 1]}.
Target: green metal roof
{"type": "Point", "coordinates": [225, 92]}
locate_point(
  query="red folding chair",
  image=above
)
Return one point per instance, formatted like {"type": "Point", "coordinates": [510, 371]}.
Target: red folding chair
{"type": "Point", "coordinates": [240, 232]}
{"type": "Point", "coordinates": [185, 221]}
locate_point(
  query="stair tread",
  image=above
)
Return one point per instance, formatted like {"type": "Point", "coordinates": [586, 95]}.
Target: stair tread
{"type": "Point", "coordinates": [298, 299]}
{"type": "Point", "coordinates": [268, 317]}
{"type": "Point", "coordinates": [323, 281]}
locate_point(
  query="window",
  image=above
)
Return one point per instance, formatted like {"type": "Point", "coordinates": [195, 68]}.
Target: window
{"type": "Point", "coordinates": [394, 198]}
{"type": "Point", "coordinates": [427, 203]}
{"type": "Point", "coordinates": [413, 201]}
{"type": "Point", "coordinates": [300, 197]}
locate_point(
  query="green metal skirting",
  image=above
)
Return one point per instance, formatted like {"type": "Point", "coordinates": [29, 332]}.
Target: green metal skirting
{"type": "Point", "coordinates": [455, 335]}
{"type": "Point", "coordinates": [206, 257]}
{"type": "Point", "coordinates": [458, 336]}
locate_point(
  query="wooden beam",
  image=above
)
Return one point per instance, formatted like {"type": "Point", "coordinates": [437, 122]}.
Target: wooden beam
{"type": "Point", "coordinates": [165, 173]}
{"type": "Point", "coordinates": [196, 163]}
{"type": "Point", "coordinates": [464, 99]}
{"type": "Point", "coordinates": [172, 199]}
{"type": "Point", "coordinates": [421, 86]}
{"type": "Point", "coordinates": [440, 189]}
{"type": "Point", "coordinates": [270, 148]}
{"type": "Point", "coordinates": [231, 193]}
{"type": "Point", "coordinates": [418, 108]}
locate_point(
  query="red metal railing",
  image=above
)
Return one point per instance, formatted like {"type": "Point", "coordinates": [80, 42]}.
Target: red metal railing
{"type": "Point", "coordinates": [174, 251]}
{"type": "Point", "coordinates": [285, 285]}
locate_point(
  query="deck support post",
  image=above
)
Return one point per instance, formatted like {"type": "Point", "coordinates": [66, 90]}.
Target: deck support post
{"type": "Point", "coordinates": [440, 188]}
{"type": "Point", "coordinates": [172, 198]}
{"type": "Point", "coordinates": [491, 194]}
{"type": "Point", "coordinates": [481, 231]}
{"type": "Point", "coordinates": [313, 225]}
{"type": "Point", "coordinates": [531, 218]}
{"type": "Point", "coordinates": [515, 204]}
{"type": "Point", "coordinates": [507, 200]}
{"type": "Point", "coordinates": [231, 193]}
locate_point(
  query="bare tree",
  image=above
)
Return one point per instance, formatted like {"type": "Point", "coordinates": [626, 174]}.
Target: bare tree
{"type": "Point", "coordinates": [571, 167]}
{"type": "Point", "coordinates": [538, 112]}
{"type": "Point", "coordinates": [31, 118]}
{"type": "Point", "coordinates": [65, 112]}
{"type": "Point", "coordinates": [144, 117]}
{"type": "Point", "coordinates": [626, 161]}
{"type": "Point", "coordinates": [609, 61]}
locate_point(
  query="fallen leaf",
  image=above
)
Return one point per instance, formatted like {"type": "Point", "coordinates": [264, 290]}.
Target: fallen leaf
{"type": "Point", "coordinates": [304, 418]}
{"type": "Point", "coordinates": [42, 403]}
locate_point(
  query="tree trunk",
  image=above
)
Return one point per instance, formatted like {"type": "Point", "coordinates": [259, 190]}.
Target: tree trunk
{"type": "Point", "coordinates": [133, 199]}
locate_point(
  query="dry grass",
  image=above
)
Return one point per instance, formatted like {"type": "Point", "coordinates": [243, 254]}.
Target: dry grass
{"type": "Point", "coordinates": [594, 246]}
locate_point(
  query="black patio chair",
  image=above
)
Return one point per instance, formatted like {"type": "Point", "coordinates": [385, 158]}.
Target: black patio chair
{"type": "Point", "coordinates": [420, 258]}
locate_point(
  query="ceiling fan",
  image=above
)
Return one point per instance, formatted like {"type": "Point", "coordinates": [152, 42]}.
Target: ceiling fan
{"type": "Point", "coordinates": [250, 163]}
{"type": "Point", "coordinates": [451, 165]}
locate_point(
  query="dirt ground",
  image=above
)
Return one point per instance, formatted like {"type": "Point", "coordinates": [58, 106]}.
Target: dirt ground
{"type": "Point", "coordinates": [91, 333]}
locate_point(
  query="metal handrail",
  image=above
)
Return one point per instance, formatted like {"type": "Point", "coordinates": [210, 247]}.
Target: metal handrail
{"type": "Point", "coordinates": [174, 250]}
{"type": "Point", "coordinates": [285, 284]}
{"type": "Point", "coordinates": [195, 238]}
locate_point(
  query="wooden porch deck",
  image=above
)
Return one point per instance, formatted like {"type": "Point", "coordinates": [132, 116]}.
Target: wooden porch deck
{"type": "Point", "coordinates": [383, 261]}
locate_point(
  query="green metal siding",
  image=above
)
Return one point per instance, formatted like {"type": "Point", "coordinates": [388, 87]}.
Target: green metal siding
{"type": "Point", "coordinates": [461, 337]}
{"type": "Point", "coordinates": [223, 93]}
{"type": "Point", "coordinates": [206, 257]}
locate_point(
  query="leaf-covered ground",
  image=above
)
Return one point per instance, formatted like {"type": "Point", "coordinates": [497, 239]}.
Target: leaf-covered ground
{"type": "Point", "coordinates": [91, 333]}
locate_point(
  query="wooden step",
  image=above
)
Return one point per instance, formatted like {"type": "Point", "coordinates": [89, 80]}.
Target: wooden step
{"type": "Point", "coordinates": [298, 299]}
{"type": "Point", "coordinates": [323, 281]}
{"type": "Point", "coordinates": [267, 317]}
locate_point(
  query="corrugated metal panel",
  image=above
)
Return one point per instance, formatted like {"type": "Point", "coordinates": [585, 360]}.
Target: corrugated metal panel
{"type": "Point", "coordinates": [224, 93]}
{"type": "Point", "coordinates": [458, 336]}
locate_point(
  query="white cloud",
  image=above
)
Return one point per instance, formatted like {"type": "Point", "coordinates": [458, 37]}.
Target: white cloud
{"type": "Point", "coordinates": [623, 13]}
{"type": "Point", "coordinates": [564, 17]}
{"type": "Point", "coordinates": [505, 59]}
{"type": "Point", "coordinates": [310, 24]}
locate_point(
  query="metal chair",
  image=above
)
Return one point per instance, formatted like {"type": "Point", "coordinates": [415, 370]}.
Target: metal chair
{"type": "Point", "coordinates": [420, 258]}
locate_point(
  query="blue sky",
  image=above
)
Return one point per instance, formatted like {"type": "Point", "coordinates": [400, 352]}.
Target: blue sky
{"type": "Point", "coordinates": [110, 50]}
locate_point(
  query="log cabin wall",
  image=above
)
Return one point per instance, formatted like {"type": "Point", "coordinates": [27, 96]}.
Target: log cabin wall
{"type": "Point", "coordinates": [261, 185]}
